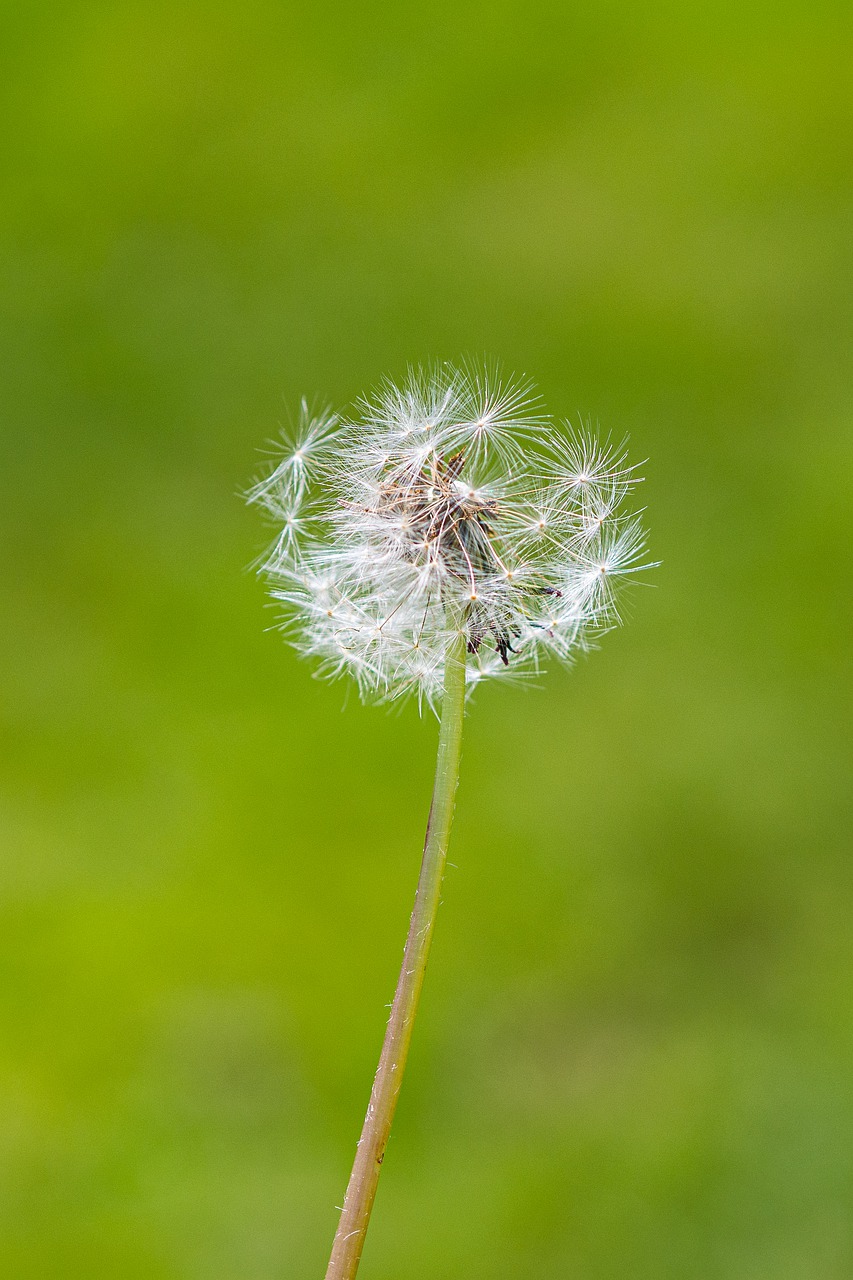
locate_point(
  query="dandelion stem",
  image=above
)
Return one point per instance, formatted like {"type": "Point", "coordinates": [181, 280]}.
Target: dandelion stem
{"type": "Point", "coordinates": [355, 1215]}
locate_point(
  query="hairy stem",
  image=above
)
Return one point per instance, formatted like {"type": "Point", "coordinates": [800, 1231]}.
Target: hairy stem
{"type": "Point", "coordinates": [355, 1215]}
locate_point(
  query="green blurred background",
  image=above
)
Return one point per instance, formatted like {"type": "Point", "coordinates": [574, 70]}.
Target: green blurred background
{"type": "Point", "coordinates": [634, 1055]}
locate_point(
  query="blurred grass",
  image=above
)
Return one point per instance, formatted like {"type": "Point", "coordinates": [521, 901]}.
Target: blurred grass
{"type": "Point", "coordinates": [635, 1049]}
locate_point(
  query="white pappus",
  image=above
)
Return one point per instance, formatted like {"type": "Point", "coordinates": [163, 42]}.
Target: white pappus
{"type": "Point", "coordinates": [446, 502]}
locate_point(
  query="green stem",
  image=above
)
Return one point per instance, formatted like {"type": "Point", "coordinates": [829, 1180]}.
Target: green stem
{"type": "Point", "coordinates": [355, 1215]}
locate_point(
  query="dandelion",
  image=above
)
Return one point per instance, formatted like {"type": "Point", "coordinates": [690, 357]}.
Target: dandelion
{"type": "Point", "coordinates": [444, 534]}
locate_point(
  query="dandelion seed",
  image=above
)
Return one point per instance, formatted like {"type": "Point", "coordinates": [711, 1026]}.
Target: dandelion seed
{"type": "Point", "coordinates": [445, 501]}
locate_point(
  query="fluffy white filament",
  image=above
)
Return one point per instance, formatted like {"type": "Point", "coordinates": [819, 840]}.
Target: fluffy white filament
{"type": "Point", "coordinates": [445, 502]}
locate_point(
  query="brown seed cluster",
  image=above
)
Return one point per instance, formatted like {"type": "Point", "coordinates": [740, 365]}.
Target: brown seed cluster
{"type": "Point", "coordinates": [441, 521]}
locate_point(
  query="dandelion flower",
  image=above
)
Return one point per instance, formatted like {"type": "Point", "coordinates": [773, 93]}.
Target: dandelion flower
{"type": "Point", "coordinates": [444, 534]}
{"type": "Point", "coordinates": [445, 504]}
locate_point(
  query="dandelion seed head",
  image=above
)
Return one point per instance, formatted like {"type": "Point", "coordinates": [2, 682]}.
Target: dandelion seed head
{"type": "Point", "coordinates": [446, 502]}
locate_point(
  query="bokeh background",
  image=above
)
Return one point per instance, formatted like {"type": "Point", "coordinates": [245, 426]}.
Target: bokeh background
{"type": "Point", "coordinates": [634, 1054]}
